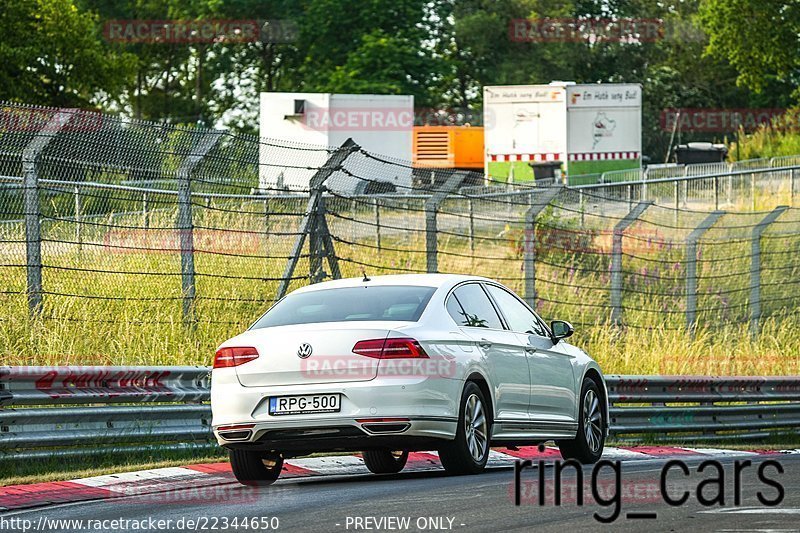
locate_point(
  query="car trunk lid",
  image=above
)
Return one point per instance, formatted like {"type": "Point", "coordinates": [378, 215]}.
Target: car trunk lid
{"type": "Point", "coordinates": [303, 353]}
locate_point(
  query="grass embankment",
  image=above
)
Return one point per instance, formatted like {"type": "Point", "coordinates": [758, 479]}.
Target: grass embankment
{"type": "Point", "coordinates": [133, 314]}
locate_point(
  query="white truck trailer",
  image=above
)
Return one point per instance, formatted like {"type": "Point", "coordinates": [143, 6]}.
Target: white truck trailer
{"type": "Point", "coordinates": [588, 128]}
{"type": "Point", "coordinates": [380, 124]}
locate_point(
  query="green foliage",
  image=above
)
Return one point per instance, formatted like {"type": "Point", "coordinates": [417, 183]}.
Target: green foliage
{"type": "Point", "coordinates": [757, 37]}
{"type": "Point", "coordinates": [780, 138]}
{"type": "Point", "coordinates": [51, 53]}
{"type": "Point", "coordinates": [712, 54]}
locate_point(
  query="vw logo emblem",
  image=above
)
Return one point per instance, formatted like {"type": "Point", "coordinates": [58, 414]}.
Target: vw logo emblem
{"type": "Point", "coordinates": [304, 351]}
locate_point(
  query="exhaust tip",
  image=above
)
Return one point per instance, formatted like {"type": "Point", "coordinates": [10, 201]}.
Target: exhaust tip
{"type": "Point", "coordinates": [386, 428]}
{"type": "Point", "coordinates": [384, 425]}
{"type": "Point", "coordinates": [235, 435]}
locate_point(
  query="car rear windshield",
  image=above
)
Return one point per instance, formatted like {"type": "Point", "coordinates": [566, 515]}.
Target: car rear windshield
{"type": "Point", "coordinates": [377, 302]}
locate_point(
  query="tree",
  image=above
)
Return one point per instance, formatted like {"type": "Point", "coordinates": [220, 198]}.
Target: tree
{"type": "Point", "coordinates": [758, 37]}
{"type": "Point", "coordinates": [52, 54]}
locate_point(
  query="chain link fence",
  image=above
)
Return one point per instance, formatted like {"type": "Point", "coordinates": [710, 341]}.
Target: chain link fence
{"type": "Point", "coordinates": [136, 233]}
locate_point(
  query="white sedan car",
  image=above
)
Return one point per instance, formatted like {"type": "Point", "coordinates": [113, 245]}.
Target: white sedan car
{"type": "Point", "coordinates": [395, 364]}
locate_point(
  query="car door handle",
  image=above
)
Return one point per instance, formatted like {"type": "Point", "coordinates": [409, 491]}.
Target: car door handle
{"type": "Point", "coordinates": [530, 349]}
{"type": "Point", "coordinates": [483, 343]}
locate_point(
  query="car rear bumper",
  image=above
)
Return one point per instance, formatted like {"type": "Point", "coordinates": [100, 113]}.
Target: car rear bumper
{"type": "Point", "coordinates": [339, 434]}
{"type": "Point", "coordinates": [394, 412]}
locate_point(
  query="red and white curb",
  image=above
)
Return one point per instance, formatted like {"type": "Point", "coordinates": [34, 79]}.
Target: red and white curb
{"type": "Point", "coordinates": [203, 481]}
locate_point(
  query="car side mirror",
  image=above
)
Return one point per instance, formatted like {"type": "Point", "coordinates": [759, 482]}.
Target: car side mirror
{"type": "Point", "coordinates": [561, 330]}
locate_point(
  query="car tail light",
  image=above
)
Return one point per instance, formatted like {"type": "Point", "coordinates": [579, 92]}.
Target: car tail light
{"type": "Point", "coordinates": [391, 348]}
{"type": "Point", "coordinates": [235, 356]}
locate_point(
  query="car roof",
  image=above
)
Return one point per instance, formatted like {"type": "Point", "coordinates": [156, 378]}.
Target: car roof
{"type": "Point", "coordinates": [420, 280]}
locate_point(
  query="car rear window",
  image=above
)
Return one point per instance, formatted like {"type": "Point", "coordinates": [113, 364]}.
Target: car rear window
{"type": "Point", "coordinates": [346, 304]}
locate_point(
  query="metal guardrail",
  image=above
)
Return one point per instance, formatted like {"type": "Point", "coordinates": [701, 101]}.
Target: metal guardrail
{"type": "Point", "coordinates": [132, 409]}
{"type": "Point", "coordinates": [703, 408]}
{"type": "Point", "coordinates": [140, 408]}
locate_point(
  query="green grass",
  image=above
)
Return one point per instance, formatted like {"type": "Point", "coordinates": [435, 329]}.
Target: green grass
{"type": "Point", "coordinates": [142, 324]}
{"type": "Point", "coordinates": [60, 469]}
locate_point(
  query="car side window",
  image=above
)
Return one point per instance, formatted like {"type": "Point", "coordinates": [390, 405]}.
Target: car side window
{"type": "Point", "coordinates": [476, 310]}
{"type": "Point", "coordinates": [519, 317]}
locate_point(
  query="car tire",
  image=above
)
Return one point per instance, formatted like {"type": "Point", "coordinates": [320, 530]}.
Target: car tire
{"type": "Point", "coordinates": [469, 451]}
{"type": "Point", "coordinates": [256, 467]}
{"type": "Point", "coordinates": [587, 446]}
{"type": "Point", "coordinates": [385, 461]}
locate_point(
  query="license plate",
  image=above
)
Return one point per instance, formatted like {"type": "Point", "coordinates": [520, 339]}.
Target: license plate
{"type": "Point", "coordinates": [300, 405]}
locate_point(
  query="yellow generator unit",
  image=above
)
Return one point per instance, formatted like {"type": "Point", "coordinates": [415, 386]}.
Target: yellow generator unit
{"type": "Point", "coordinates": [448, 147]}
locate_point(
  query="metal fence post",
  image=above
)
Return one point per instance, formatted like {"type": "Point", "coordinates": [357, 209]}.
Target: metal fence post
{"type": "Point", "coordinates": [145, 212]}
{"type": "Point", "coordinates": [755, 267]}
{"type": "Point", "coordinates": [33, 229]}
{"type": "Point", "coordinates": [377, 209]}
{"type": "Point", "coordinates": [267, 223]}
{"type": "Point", "coordinates": [471, 228]}
{"type": "Point", "coordinates": [716, 193]}
{"type": "Point", "coordinates": [313, 226]}
{"type": "Point", "coordinates": [431, 211]}
{"type": "Point", "coordinates": [691, 267]}
{"type": "Point", "coordinates": [616, 259]}
{"type": "Point", "coordinates": [78, 217]}
{"type": "Point", "coordinates": [643, 190]}
{"type": "Point", "coordinates": [529, 241]}
{"type": "Point", "coordinates": [630, 196]}
{"type": "Point", "coordinates": [184, 223]}
{"type": "Point", "coordinates": [791, 186]}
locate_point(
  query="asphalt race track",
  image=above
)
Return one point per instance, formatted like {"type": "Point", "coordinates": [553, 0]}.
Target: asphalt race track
{"type": "Point", "coordinates": [429, 500]}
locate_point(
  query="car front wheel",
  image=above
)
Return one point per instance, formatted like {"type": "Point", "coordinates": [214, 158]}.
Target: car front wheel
{"type": "Point", "coordinates": [469, 451]}
{"type": "Point", "coordinates": [587, 447]}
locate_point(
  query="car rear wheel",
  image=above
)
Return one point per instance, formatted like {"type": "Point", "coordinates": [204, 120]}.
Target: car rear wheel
{"type": "Point", "coordinates": [385, 461]}
{"type": "Point", "coordinates": [255, 467]}
{"type": "Point", "coordinates": [469, 451]}
{"type": "Point", "coordinates": [587, 447]}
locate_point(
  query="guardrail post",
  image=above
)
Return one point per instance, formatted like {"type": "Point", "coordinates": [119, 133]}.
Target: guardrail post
{"type": "Point", "coordinates": [313, 226]}
{"type": "Point", "coordinates": [431, 211]}
{"type": "Point", "coordinates": [529, 242]}
{"type": "Point", "coordinates": [78, 216]}
{"type": "Point", "coordinates": [691, 267]}
{"type": "Point", "coordinates": [616, 259]}
{"type": "Point", "coordinates": [755, 267]}
{"type": "Point", "coordinates": [184, 223]}
{"type": "Point", "coordinates": [33, 229]}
